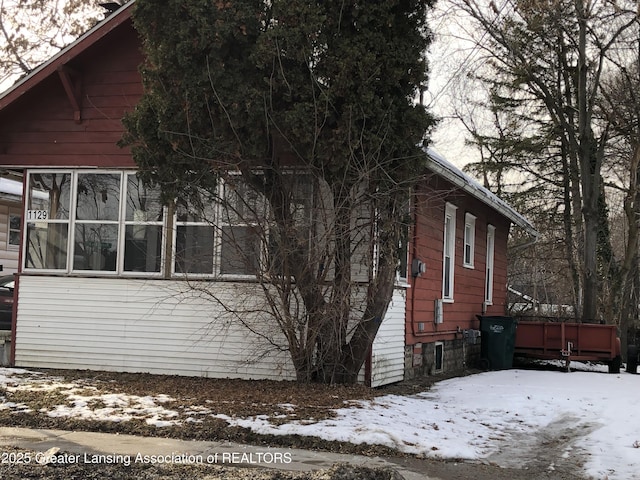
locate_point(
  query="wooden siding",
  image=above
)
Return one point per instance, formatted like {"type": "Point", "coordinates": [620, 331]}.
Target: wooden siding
{"type": "Point", "coordinates": [39, 129]}
{"type": "Point", "coordinates": [469, 285]}
{"type": "Point", "coordinates": [387, 358]}
{"type": "Point", "coordinates": [141, 326]}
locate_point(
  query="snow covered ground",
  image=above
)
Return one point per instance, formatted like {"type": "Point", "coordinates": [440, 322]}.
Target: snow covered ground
{"type": "Point", "coordinates": [478, 417]}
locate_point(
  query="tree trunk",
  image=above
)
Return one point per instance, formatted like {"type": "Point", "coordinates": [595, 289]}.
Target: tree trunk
{"type": "Point", "coordinates": [589, 173]}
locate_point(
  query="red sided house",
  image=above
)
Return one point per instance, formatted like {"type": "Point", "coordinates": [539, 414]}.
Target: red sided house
{"type": "Point", "coordinates": [115, 302]}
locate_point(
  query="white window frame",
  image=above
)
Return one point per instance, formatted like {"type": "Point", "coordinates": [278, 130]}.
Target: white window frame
{"type": "Point", "coordinates": [168, 226]}
{"type": "Point", "coordinates": [449, 252]}
{"type": "Point", "coordinates": [195, 223]}
{"type": "Point", "coordinates": [489, 268]}
{"type": "Point", "coordinates": [74, 221]}
{"type": "Point", "coordinates": [141, 223]}
{"type": "Point", "coordinates": [469, 240]}
{"type": "Point", "coordinates": [402, 277]}
{"type": "Point", "coordinates": [10, 245]}
{"type": "Point", "coordinates": [46, 221]}
{"type": "Point", "coordinates": [121, 223]}
{"type": "Point", "coordinates": [223, 221]}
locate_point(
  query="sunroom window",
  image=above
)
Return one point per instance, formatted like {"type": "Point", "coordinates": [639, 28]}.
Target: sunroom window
{"type": "Point", "coordinates": [243, 227]}
{"type": "Point", "coordinates": [98, 221]}
{"type": "Point", "coordinates": [143, 231]}
{"type": "Point", "coordinates": [195, 232]}
{"type": "Point", "coordinates": [108, 222]}
{"type": "Point", "coordinates": [47, 221]}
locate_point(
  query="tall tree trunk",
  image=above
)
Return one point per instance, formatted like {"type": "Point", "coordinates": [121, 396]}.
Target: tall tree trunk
{"type": "Point", "coordinates": [589, 172]}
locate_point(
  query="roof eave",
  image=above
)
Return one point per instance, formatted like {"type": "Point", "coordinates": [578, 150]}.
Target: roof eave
{"type": "Point", "coordinates": [65, 55]}
{"type": "Point", "coordinates": [436, 163]}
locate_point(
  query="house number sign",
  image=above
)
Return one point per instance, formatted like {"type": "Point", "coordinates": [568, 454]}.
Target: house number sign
{"type": "Point", "coordinates": [37, 215]}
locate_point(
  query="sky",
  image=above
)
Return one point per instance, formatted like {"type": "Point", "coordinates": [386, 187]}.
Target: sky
{"type": "Point", "coordinates": [493, 416]}
{"type": "Point", "coordinates": [451, 57]}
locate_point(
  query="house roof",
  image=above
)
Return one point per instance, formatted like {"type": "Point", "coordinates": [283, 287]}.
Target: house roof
{"type": "Point", "coordinates": [436, 162]}
{"type": "Point", "coordinates": [447, 170]}
{"type": "Point", "coordinates": [65, 55]}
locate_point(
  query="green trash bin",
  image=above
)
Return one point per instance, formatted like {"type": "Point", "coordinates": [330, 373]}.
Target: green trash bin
{"type": "Point", "coordinates": [498, 340]}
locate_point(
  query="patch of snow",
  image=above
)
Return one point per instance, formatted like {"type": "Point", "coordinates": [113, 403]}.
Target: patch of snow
{"type": "Point", "coordinates": [474, 417]}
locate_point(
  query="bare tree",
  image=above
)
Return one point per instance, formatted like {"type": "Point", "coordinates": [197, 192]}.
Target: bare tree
{"type": "Point", "coordinates": [548, 58]}
{"type": "Point", "coordinates": [33, 30]}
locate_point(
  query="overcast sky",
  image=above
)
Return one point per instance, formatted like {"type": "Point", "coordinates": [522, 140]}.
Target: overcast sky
{"type": "Point", "coordinates": [451, 57]}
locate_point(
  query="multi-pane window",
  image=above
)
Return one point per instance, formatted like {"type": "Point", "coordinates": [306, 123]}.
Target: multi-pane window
{"type": "Point", "coordinates": [97, 221]}
{"type": "Point", "coordinates": [469, 240]}
{"type": "Point", "coordinates": [491, 240]}
{"type": "Point", "coordinates": [250, 242]}
{"type": "Point", "coordinates": [448, 264]}
{"type": "Point", "coordinates": [109, 222]}
{"type": "Point", "coordinates": [92, 221]}
{"type": "Point", "coordinates": [14, 230]}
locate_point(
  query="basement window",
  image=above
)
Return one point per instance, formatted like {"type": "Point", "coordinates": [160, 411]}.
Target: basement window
{"type": "Point", "coordinates": [439, 357]}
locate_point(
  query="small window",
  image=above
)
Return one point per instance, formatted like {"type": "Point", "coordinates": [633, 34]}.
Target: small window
{"type": "Point", "coordinates": [403, 254]}
{"type": "Point", "coordinates": [469, 240]}
{"type": "Point", "coordinates": [491, 240]}
{"type": "Point", "coordinates": [448, 263]}
{"type": "Point", "coordinates": [403, 244]}
{"type": "Point", "coordinates": [439, 357]}
{"type": "Point", "coordinates": [14, 230]}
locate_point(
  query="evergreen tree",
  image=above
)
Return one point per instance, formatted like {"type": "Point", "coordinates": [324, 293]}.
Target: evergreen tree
{"type": "Point", "coordinates": [262, 87]}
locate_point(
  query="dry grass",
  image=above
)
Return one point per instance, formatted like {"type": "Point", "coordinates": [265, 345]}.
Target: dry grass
{"type": "Point", "coordinates": [190, 397]}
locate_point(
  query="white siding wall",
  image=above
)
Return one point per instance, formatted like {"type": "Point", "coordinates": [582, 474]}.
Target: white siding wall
{"type": "Point", "coordinates": [143, 326]}
{"type": "Point", "coordinates": [164, 327]}
{"type": "Point", "coordinates": [387, 360]}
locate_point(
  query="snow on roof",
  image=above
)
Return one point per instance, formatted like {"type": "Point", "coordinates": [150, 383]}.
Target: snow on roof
{"type": "Point", "coordinates": [443, 167]}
